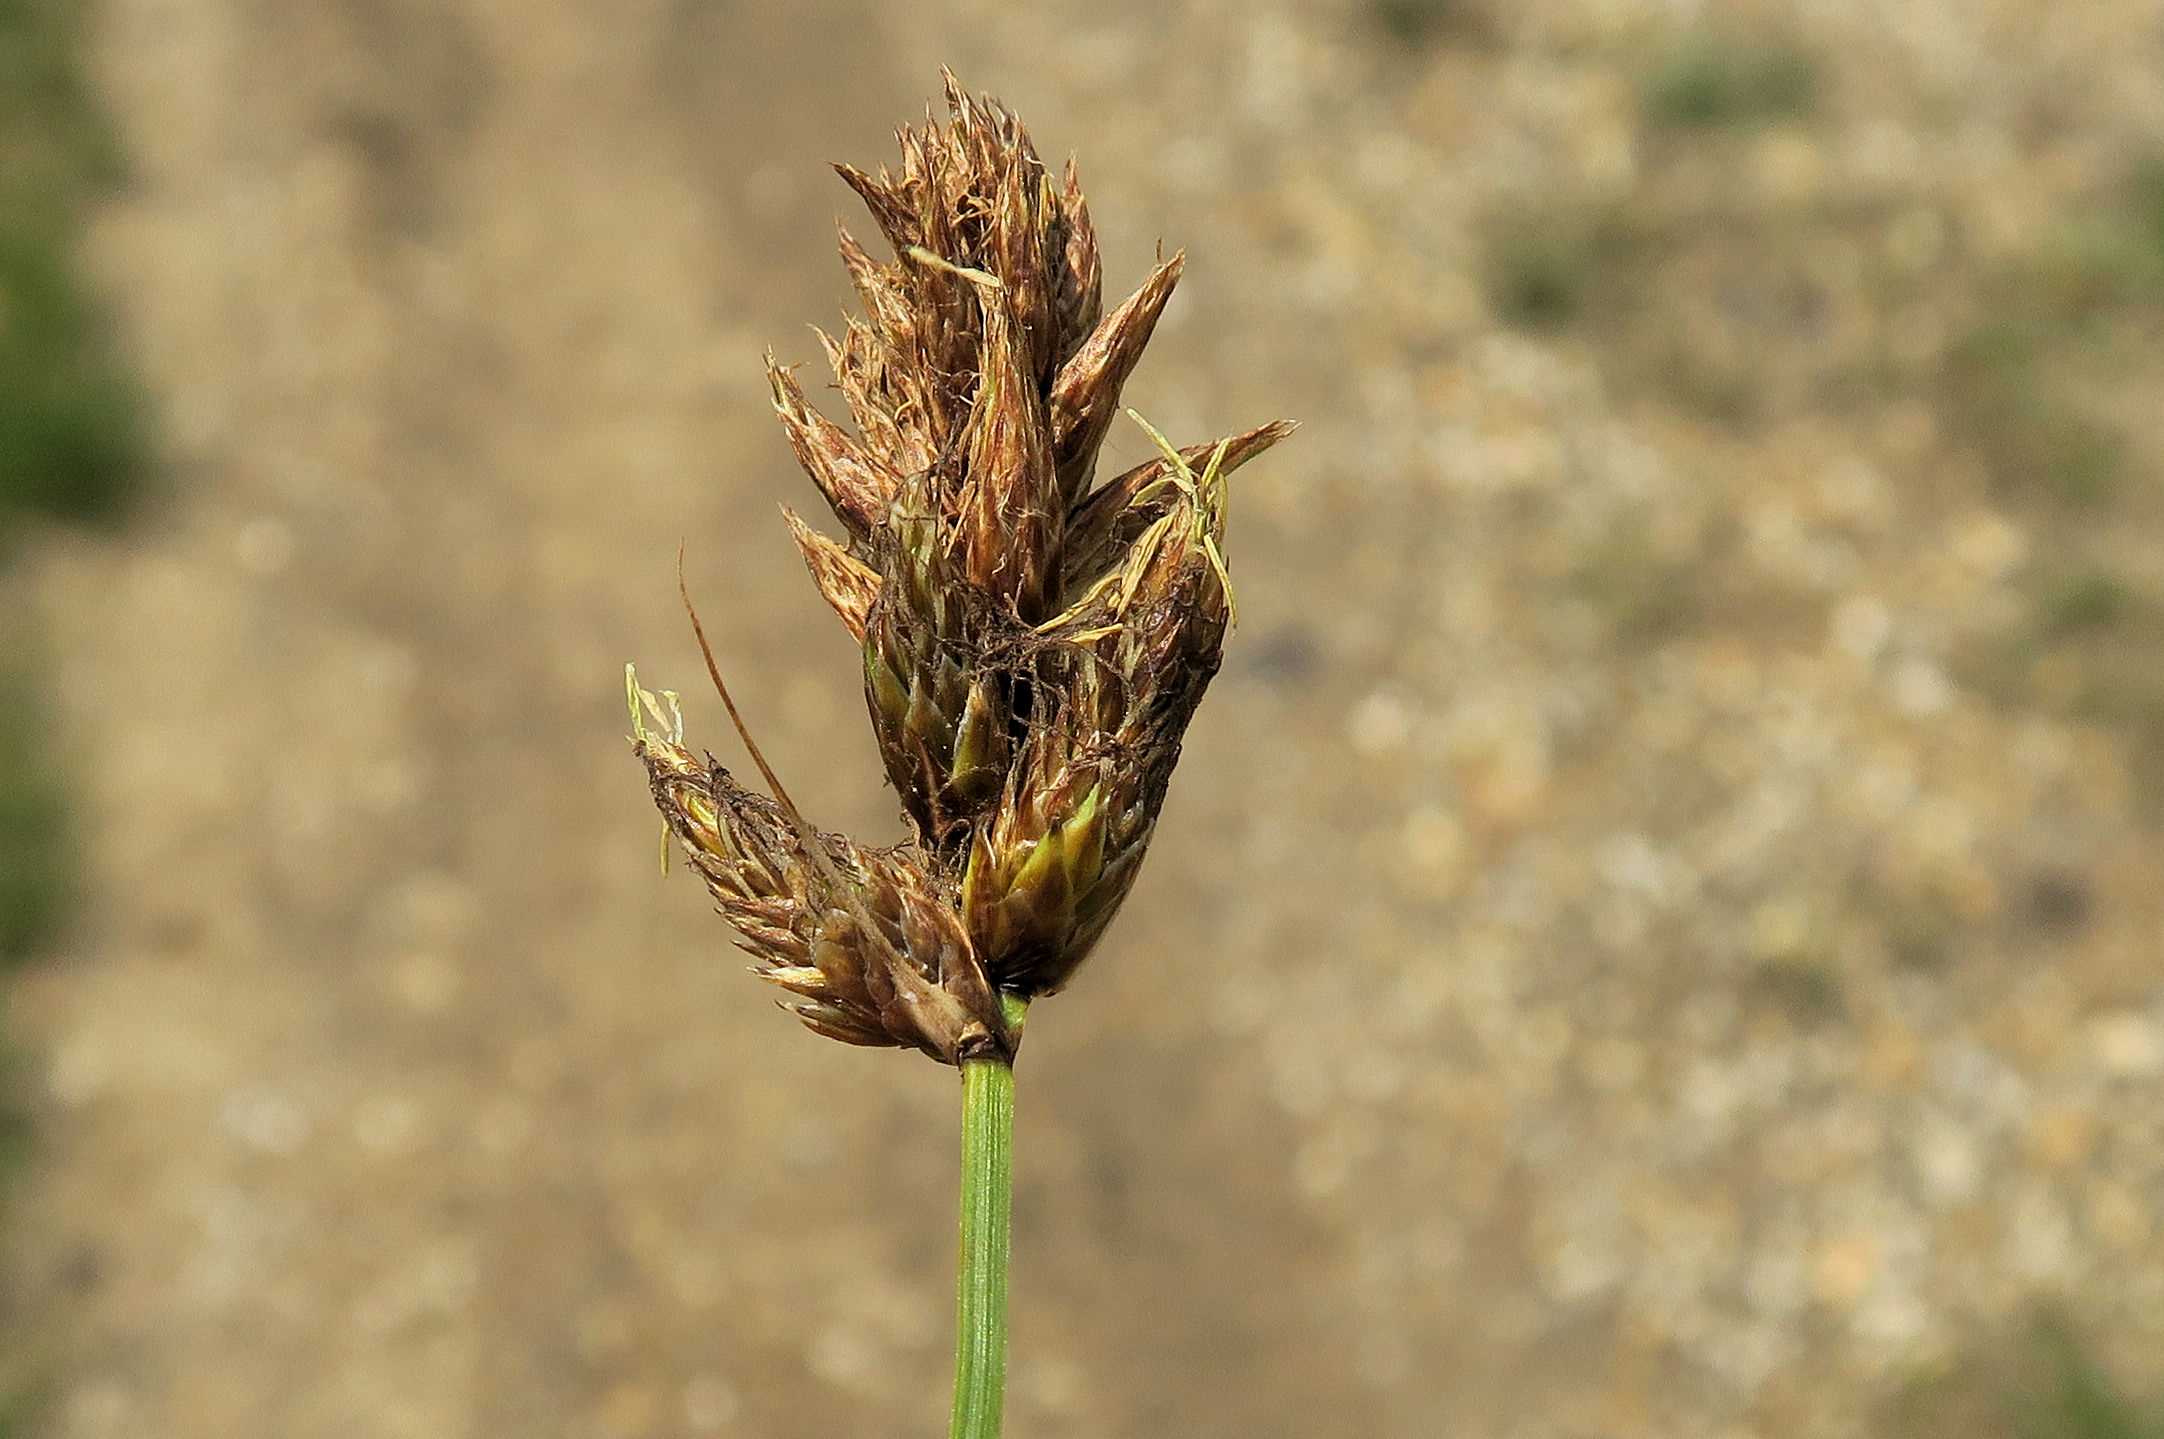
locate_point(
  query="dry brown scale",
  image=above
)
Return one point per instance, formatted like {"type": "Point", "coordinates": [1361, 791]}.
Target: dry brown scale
{"type": "Point", "coordinates": [1033, 647]}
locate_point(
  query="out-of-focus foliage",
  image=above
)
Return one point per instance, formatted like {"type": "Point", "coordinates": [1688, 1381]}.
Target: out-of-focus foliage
{"type": "Point", "coordinates": [73, 447]}
{"type": "Point", "coordinates": [36, 863]}
{"type": "Point", "coordinates": [72, 433]}
{"type": "Point", "coordinates": [2046, 1383]}
{"type": "Point", "coordinates": [1708, 79]}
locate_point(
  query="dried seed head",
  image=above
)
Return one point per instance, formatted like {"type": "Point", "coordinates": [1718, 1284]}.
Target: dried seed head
{"type": "Point", "coordinates": [1033, 649]}
{"type": "Point", "coordinates": [864, 939]}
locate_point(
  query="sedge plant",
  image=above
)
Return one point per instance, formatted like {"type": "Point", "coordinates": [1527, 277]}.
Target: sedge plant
{"type": "Point", "coordinates": [1034, 643]}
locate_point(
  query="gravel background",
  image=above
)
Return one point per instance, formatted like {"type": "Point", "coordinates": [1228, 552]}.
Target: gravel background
{"type": "Point", "coordinates": [1658, 928]}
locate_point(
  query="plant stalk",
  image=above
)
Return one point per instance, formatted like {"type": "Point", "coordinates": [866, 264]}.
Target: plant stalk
{"type": "Point", "coordinates": [980, 1309]}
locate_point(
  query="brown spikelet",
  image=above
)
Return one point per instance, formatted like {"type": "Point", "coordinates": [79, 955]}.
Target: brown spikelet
{"type": "Point", "coordinates": [891, 211]}
{"type": "Point", "coordinates": [846, 582]}
{"type": "Point", "coordinates": [1125, 668]}
{"type": "Point", "coordinates": [857, 484]}
{"type": "Point", "coordinates": [870, 949]}
{"type": "Point", "coordinates": [1086, 395]}
{"type": "Point", "coordinates": [939, 712]}
{"type": "Point", "coordinates": [1010, 510]}
{"type": "Point", "coordinates": [888, 409]}
{"type": "Point", "coordinates": [1033, 648]}
{"type": "Point", "coordinates": [1104, 526]}
{"type": "Point", "coordinates": [1080, 294]}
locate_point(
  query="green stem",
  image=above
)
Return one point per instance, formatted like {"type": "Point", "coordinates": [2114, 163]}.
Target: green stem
{"type": "Point", "coordinates": [980, 1311]}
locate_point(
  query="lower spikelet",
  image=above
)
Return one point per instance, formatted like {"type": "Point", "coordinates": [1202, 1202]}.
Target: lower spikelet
{"type": "Point", "coordinates": [863, 939]}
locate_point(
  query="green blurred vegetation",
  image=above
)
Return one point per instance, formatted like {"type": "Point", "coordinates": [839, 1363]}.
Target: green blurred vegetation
{"type": "Point", "coordinates": [57, 137]}
{"type": "Point", "coordinates": [2108, 255]}
{"type": "Point", "coordinates": [1546, 261]}
{"type": "Point", "coordinates": [1411, 22]}
{"type": "Point", "coordinates": [1708, 78]}
{"type": "Point", "coordinates": [72, 442]}
{"type": "Point", "coordinates": [2000, 391]}
{"type": "Point", "coordinates": [2087, 650]}
{"type": "Point", "coordinates": [36, 860]}
{"type": "Point", "coordinates": [2028, 388]}
{"type": "Point", "coordinates": [2044, 1382]}
{"type": "Point", "coordinates": [73, 426]}
{"type": "Point", "coordinates": [2012, 383]}
{"type": "Point", "coordinates": [74, 448]}
{"type": "Point", "coordinates": [1415, 24]}
{"type": "Point", "coordinates": [2083, 603]}
{"type": "Point", "coordinates": [1645, 593]}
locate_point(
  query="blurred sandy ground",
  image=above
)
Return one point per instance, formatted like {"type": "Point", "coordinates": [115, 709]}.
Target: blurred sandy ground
{"type": "Point", "coordinates": [1609, 967]}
